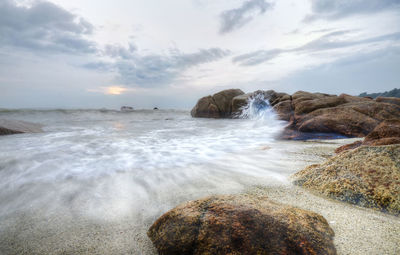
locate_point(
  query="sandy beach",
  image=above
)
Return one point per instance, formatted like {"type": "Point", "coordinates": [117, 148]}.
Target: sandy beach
{"type": "Point", "coordinates": [357, 230]}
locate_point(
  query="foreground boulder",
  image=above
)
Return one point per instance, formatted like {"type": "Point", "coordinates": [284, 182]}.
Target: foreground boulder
{"type": "Point", "coordinates": [217, 106]}
{"type": "Point", "coordinates": [9, 127]}
{"type": "Point", "coordinates": [241, 224]}
{"type": "Point", "coordinates": [368, 176]}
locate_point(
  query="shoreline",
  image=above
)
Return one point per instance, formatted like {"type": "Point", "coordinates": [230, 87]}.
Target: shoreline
{"type": "Point", "coordinates": [357, 230]}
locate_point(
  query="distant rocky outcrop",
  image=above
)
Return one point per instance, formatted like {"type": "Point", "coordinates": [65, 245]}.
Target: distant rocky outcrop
{"type": "Point", "coordinates": [308, 112]}
{"type": "Point", "coordinates": [126, 109]}
{"type": "Point", "coordinates": [391, 93]}
{"type": "Point", "coordinates": [241, 224]}
{"type": "Point", "coordinates": [9, 127]}
{"type": "Point", "coordinates": [368, 176]}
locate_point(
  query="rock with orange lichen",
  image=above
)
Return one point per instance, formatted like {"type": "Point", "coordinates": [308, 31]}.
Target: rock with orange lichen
{"type": "Point", "coordinates": [241, 224]}
{"type": "Point", "coordinates": [368, 176]}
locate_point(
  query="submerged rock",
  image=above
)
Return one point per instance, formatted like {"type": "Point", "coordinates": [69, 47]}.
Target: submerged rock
{"type": "Point", "coordinates": [126, 109]}
{"type": "Point", "coordinates": [9, 127]}
{"type": "Point", "coordinates": [241, 224]}
{"type": "Point", "coordinates": [368, 176]}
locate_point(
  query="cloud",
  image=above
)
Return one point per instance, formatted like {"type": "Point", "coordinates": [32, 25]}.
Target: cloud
{"type": "Point", "coordinates": [330, 41]}
{"type": "Point", "coordinates": [236, 18]}
{"type": "Point", "coordinates": [363, 71]}
{"type": "Point", "coordinates": [154, 70]}
{"type": "Point", "coordinates": [336, 9]}
{"type": "Point", "coordinates": [44, 27]}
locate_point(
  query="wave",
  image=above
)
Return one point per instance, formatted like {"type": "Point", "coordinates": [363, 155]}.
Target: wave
{"type": "Point", "coordinates": [69, 111]}
{"type": "Point", "coordinates": [258, 108]}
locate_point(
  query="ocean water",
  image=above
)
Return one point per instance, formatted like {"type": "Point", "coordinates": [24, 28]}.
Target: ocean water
{"type": "Point", "coordinates": [113, 173]}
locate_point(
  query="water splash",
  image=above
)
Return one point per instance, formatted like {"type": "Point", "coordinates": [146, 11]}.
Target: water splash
{"type": "Point", "coordinates": [258, 108]}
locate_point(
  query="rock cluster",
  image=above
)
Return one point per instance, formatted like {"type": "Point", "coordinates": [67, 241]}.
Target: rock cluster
{"type": "Point", "coordinates": [308, 112]}
{"type": "Point", "coordinates": [241, 224]}
{"type": "Point", "coordinates": [368, 176]}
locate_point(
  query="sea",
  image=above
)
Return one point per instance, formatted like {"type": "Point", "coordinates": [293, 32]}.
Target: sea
{"type": "Point", "coordinates": [94, 180]}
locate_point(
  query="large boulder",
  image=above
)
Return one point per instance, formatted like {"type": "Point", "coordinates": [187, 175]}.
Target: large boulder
{"type": "Point", "coordinates": [9, 127]}
{"type": "Point", "coordinates": [368, 176]}
{"type": "Point", "coordinates": [241, 224]}
{"type": "Point", "coordinates": [346, 115]}
{"type": "Point", "coordinates": [217, 106]}
{"type": "Point", "coordinates": [307, 106]}
{"type": "Point", "coordinates": [238, 102]}
{"type": "Point", "coordinates": [341, 120]}
{"type": "Point", "coordinates": [206, 108]}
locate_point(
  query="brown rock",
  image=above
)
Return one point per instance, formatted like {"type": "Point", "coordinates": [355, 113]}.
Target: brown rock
{"type": "Point", "coordinates": [379, 111]}
{"type": "Point", "coordinates": [217, 106]}
{"type": "Point", "coordinates": [389, 100]}
{"type": "Point", "coordinates": [341, 120]}
{"type": "Point", "coordinates": [353, 99]}
{"type": "Point", "coordinates": [223, 100]}
{"type": "Point", "coordinates": [368, 176]}
{"type": "Point", "coordinates": [206, 108]}
{"type": "Point", "coordinates": [240, 101]}
{"type": "Point", "coordinates": [349, 146]}
{"type": "Point", "coordinates": [284, 110]}
{"type": "Point", "coordinates": [309, 105]}
{"type": "Point", "coordinates": [387, 132]}
{"type": "Point", "coordinates": [241, 224]}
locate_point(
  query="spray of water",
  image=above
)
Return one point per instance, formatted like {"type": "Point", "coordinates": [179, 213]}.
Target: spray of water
{"type": "Point", "coordinates": [258, 108]}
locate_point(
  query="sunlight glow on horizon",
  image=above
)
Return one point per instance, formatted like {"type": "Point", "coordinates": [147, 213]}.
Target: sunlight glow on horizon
{"type": "Point", "coordinates": [115, 90]}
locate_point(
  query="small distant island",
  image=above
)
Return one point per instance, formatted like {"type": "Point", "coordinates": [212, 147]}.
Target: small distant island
{"type": "Point", "coordinates": [391, 93]}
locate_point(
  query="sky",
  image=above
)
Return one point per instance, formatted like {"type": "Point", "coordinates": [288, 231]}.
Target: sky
{"type": "Point", "coordinates": [168, 54]}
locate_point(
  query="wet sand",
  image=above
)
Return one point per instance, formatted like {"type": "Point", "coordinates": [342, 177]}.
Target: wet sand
{"type": "Point", "coordinates": [38, 231]}
{"type": "Point", "coordinates": [357, 230]}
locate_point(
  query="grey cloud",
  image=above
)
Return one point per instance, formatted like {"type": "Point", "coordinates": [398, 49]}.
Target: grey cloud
{"type": "Point", "coordinates": [336, 9]}
{"type": "Point", "coordinates": [155, 70]}
{"type": "Point", "coordinates": [326, 42]}
{"type": "Point", "coordinates": [117, 51]}
{"type": "Point", "coordinates": [373, 71]}
{"type": "Point", "coordinates": [236, 18]}
{"type": "Point", "coordinates": [43, 27]}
